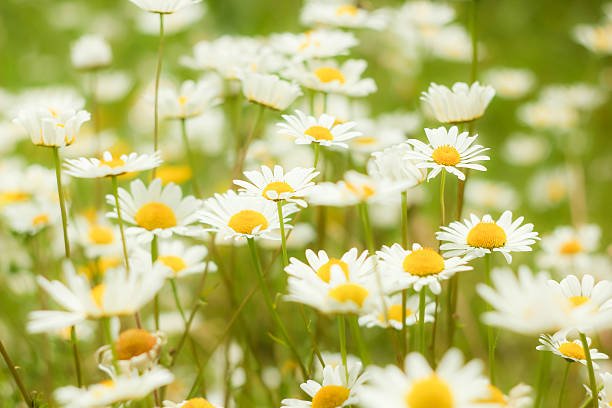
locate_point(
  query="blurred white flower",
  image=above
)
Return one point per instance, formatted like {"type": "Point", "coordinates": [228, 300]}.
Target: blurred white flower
{"type": "Point", "coordinates": [392, 316]}
{"type": "Point", "coordinates": [192, 99]}
{"type": "Point", "coordinates": [173, 23]}
{"type": "Point", "coordinates": [491, 195]}
{"type": "Point", "coordinates": [163, 6]}
{"type": "Point", "coordinates": [51, 128]}
{"type": "Point", "coordinates": [597, 39]}
{"type": "Point", "coordinates": [318, 43]}
{"type": "Point", "coordinates": [461, 103]}
{"type": "Point", "coordinates": [393, 165]}
{"type": "Point", "coordinates": [269, 91]}
{"type": "Point", "coordinates": [549, 115]}
{"type": "Point", "coordinates": [341, 15]}
{"type": "Point", "coordinates": [91, 52]}
{"type": "Point", "coordinates": [111, 166]}
{"type": "Point", "coordinates": [510, 83]}
{"type": "Point", "coordinates": [568, 249]}
{"type": "Point", "coordinates": [548, 188]}
{"type": "Point", "coordinates": [525, 150]}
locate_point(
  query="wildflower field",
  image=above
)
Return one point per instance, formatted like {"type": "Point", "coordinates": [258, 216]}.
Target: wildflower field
{"type": "Point", "coordinates": [305, 203]}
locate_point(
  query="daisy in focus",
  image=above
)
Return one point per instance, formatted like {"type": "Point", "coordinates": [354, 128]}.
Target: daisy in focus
{"type": "Point", "coordinates": [182, 260]}
{"type": "Point", "coordinates": [570, 350]}
{"type": "Point", "coordinates": [323, 130]}
{"type": "Point", "coordinates": [393, 316]}
{"type": "Point", "coordinates": [137, 349]}
{"type": "Point", "coordinates": [518, 397]}
{"type": "Point", "coordinates": [396, 167]}
{"type": "Point", "coordinates": [461, 103]}
{"type": "Point", "coordinates": [475, 237]}
{"type": "Point", "coordinates": [269, 90]}
{"type": "Point", "coordinates": [52, 128]}
{"type": "Point", "coordinates": [596, 297]}
{"type": "Point", "coordinates": [111, 166]}
{"type": "Point", "coordinates": [569, 249]}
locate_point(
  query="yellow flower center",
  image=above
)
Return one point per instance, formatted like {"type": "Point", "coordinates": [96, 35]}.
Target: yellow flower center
{"type": "Point", "coordinates": [578, 300]}
{"type": "Point", "coordinates": [431, 392]}
{"type": "Point", "coordinates": [319, 133]}
{"type": "Point", "coordinates": [100, 235]}
{"type": "Point", "coordinates": [173, 174]}
{"type": "Point", "coordinates": [572, 350]}
{"type": "Point", "coordinates": [446, 156]}
{"type": "Point", "coordinates": [394, 313]}
{"type": "Point", "coordinates": [349, 291]}
{"type": "Point", "coordinates": [571, 247]}
{"type": "Point", "coordinates": [365, 140]}
{"type": "Point", "coordinates": [97, 294]}
{"type": "Point", "coordinates": [347, 9]}
{"type": "Point", "coordinates": [279, 187]}
{"type": "Point", "coordinates": [134, 342]}
{"type": "Point", "coordinates": [11, 197]}
{"type": "Point", "coordinates": [155, 215]}
{"type": "Point", "coordinates": [324, 272]}
{"type": "Point", "coordinates": [108, 262]}
{"type": "Point", "coordinates": [114, 162]}
{"type": "Point", "coordinates": [329, 74]}
{"type": "Point", "coordinates": [245, 221]}
{"type": "Point", "coordinates": [495, 397]}
{"type": "Point", "coordinates": [330, 396]}
{"type": "Point", "coordinates": [107, 383]}
{"type": "Point", "coordinates": [486, 235]}
{"type": "Point", "coordinates": [364, 191]}
{"type": "Point", "coordinates": [175, 263]}
{"type": "Point", "coordinates": [197, 403]}
{"type": "Point", "coordinates": [556, 190]}
{"type": "Point", "coordinates": [183, 100]}
{"type": "Point", "coordinates": [40, 219]}
{"type": "Point", "coordinates": [423, 262]}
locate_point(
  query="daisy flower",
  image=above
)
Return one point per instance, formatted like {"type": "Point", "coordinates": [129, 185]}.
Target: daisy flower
{"type": "Point", "coordinates": [120, 388]}
{"type": "Point", "coordinates": [394, 313]}
{"type": "Point", "coordinates": [595, 296]}
{"type": "Point", "coordinates": [394, 166]}
{"type": "Point", "coordinates": [148, 23]}
{"type": "Point", "coordinates": [276, 185]}
{"type": "Point", "coordinates": [190, 403]}
{"type": "Point", "coordinates": [318, 43]}
{"type": "Point", "coordinates": [269, 90]}
{"type": "Point", "coordinates": [331, 77]}
{"type": "Point", "coordinates": [239, 216]}
{"type": "Point", "coordinates": [163, 6]}
{"type": "Point", "coordinates": [475, 237]}
{"type": "Point", "coordinates": [120, 293]}
{"type": "Point", "coordinates": [461, 103]}
{"type": "Point", "coordinates": [417, 268]}
{"type": "Point", "coordinates": [156, 211]}
{"type": "Point", "coordinates": [568, 249]}
{"type": "Point", "coordinates": [111, 166]}
{"type": "Point", "coordinates": [451, 384]}
{"type": "Point", "coordinates": [52, 128]}
{"type": "Point", "coordinates": [571, 350]}
{"type": "Point", "coordinates": [336, 390]}
{"type": "Point", "coordinates": [341, 15]}
{"type": "Point", "coordinates": [518, 397]}
{"type": "Point", "coordinates": [447, 150]}
{"type": "Point", "coordinates": [549, 115]}
{"type": "Point", "coordinates": [323, 130]}
{"type": "Point", "coordinates": [97, 235]}
{"type": "Point", "coordinates": [510, 83]}
{"type": "Point", "coordinates": [548, 188]}
{"type": "Point", "coordinates": [192, 99]}
{"type": "Point", "coordinates": [491, 195]}
{"type": "Point", "coordinates": [523, 150]}
{"type": "Point", "coordinates": [353, 189]}
{"type": "Point", "coordinates": [181, 260]}
{"type": "Point", "coordinates": [137, 349]}
{"type": "Point", "coordinates": [31, 217]}
{"type": "Point", "coordinates": [91, 52]}
{"type": "Point", "coordinates": [595, 38]}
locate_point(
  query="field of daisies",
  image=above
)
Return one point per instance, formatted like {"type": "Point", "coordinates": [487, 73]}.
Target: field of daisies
{"type": "Point", "coordinates": [305, 203]}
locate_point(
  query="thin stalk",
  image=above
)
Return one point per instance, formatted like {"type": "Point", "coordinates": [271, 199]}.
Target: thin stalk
{"type": "Point", "coordinates": [490, 329]}
{"type": "Point", "coordinates": [16, 376]}
{"type": "Point", "coordinates": [106, 326]}
{"type": "Point", "coordinates": [442, 201]}
{"type": "Point", "coordinates": [452, 307]}
{"type": "Point", "coordinates": [177, 300]}
{"type": "Point", "coordinates": [190, 158]}
{"type": "Point", "coordinates": [272, 308]}
{"type": "Point", "coordinates": [367, 228]}
{"type": "Point", "coordinates": [313, 339]}
{"type": "Point", "coordinates": [404, 209]}
{"type": "Point", "coordinates": [422, 320]}
{"type": "Point", "coordinates": [157, 77]}
{"type": "Point", "coordinates": [592, 381]}
{"type": "Point", "coordinates": [404, 341]}
{"type": "Point", "coordinates": [543, 370]}
{"type": "Point", "coordinates": [342, 339]}
{"type": "Point", "coordinates": [434, 329]}
{"type": "Point", "coordinates": [120, 219]}
{"type": "Point", "coordinates": [60, 193]}
{"type": "Point", "coordinates": [252, 135]}
{"type": "Point", "coordinates": [181, 342]}
{"type": "Point", "coordinates": [363, 350]}
{"type": "Point", "coordinates": [154, 252]}
{"type": "Point", "coordinates": [279, 205]}
{"type": "Point", "coordinates": [75, 352]}
{"type": "Point", "coordinates": [317, 148]}
{"type": "Point", "coordinates": [563, 384]}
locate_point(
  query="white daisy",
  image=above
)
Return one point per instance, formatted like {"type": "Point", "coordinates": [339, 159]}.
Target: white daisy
{"type": "Point", "coordinates": [447, 150]}
{"type": "Point", "coordinates": [318, 43]}
{"type": "Point", "coordinates": [595, 296]}
{"type": "Point", "coordinates": [111, 166]}
{"type": "Point", "coordinates": [336, 390]}
{"type": "Point", "coordinates": [163, 6]}
{"type": "Point", "coordinates": [137, 349]}
{"type": "Point", "coordinates": [323, 130]}
{"type": "Point", "coordinates": [518, 397]}
{"type": "Point", "coordinates": [190, 403]}
{"type": "Point", "coordinates": [377, 135]}
{"type": "Point", "coordinates": [239, 216]}
{"type": "Point", "coordinates": [452, 384]}
{"type": "Point", "coordinates": [353, 189]}
{"type": "Point", "coordinates": [269, 90]}
{"type": "Point", "coordinates": [568, 249]}
{"type": "Point", "coordinates": [31, 217]}
{"type": "Point", "coordinates": [571, 350]}
{"type": "Point", "coordinates": [192, 99]}
{"type": "Point", "coordinates": [549, 115]}
{"type": "Point", "coordinates": [276, 185]}
{"type": "Point", "coordinates": [461, 103]}
{"type": "Point", "coordinates": [490, 195]}
{"type": "Point", "coordinates": [596, 38]}
{"type": "Point", "coordinates": [510, 83]}
{"type": "Point", "coordinates": [525, 150]}
{"type": "Point", "coordinates": [97, 235]}
{"type": "Point", "coordinates": [148, 23]}
{"type": "Point", "coordinates": [341, 15]}
{"type": "Point", "coordinates": [402, 269]}
{"type": "Point", "coordinates": [154, 211]}
{"type": "Point", "coordinates": [47, 127]}
{"type": "Point", "coordinates": [90, 52]}
{"type": "Point", "coordinates": [476, 237]}
{"type": "Point", "coordinates": [393, 165]}
{"type": "Point", "coordinates": [548, 188]}
{"type": "Point", "coordinates": [452, 42]}
{"type": "Point", "coordinates": [394, 313]}
{"type": "Point", "coordinates": [181, 260]}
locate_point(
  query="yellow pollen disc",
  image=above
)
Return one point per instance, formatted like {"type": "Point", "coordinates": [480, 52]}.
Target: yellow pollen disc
{"type": "Point", "coordinates": [173, 174]}
{"type": "Point", "coordinates": [578, 300]}
{"type": "Point", "coordinates": [365, 140]}
{"type": "Point", "coordinates": [107, 383]}
{"type": "Point", "coordinates": [155, 215]}
{"type": "Point", "coordinates": [60, 125]}
{"type": "Point", "coordinates": [115, 162]}
{"type": "Point", "coordinates": [11, 197]}
{"type": "Point", "coordinates": [175, 263]}
{"type": "Point", "coordinates": [330, 396]}
{"type": "Point", "coordinates": [431, 392]}
{"type": "Point", "coordinates": [423, 262]}
{"type": "Point", "coordinates": [134, 342]}
{"type": "Point", "coordinates": [486, 235]}
{"type": "Point", "coordinates": [183, 100]}
{"type": "Point", "coordinates": [245, 221]}
{"type": "Point", "coordinates": [324, 271]}
{"type": "Point", "coordinates": [197, 403]}
{"type": "Point", "coordinates": [446, 155]}
{"type": "Point", "coordinates": [495, 397]}
{"type": "Point", "coordinates": [108, 262]}
{"type": "Point", "coordinates": [40, 219]}
{"type": "Point", "coordinates": [279, 187]}
{"type": "Point", "coordinates": [329, 74]}
{"type": "Point", "coordinates": [100, 235]}
{"type": "Point", "coordinates": [347, 9]}
{"type": "Point", "coordinates": [572, 350]}
{"type": "Point", "coordinates": [571, 247]}
{"type": "Point", "coordinates": [97, 294]}
{"type": "Point", "coordinates": [556, 190]}
{"type": "Point", "coordinates": [364, 191]}
{"type": "Point", "coordinates": [319, 133]}
{"type": "Point", "coordinates": [394, 313]}
{"type": "Point", "coordinates": [349, 291]}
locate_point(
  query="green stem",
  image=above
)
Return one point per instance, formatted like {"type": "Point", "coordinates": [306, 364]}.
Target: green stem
{"type": "Point", "coordinates": [272, 308]}
{"type": "Point", "coordinates": [592, 380]}
{"type": "Point", "coordinates": [185, 334]}
{"type": "Point", "coordinates": [106, 326]}
{"type": "Point", "coordinates": [405, 219]}
{"type": "Point", "coordinates": [313, 339]}
{"type": "Point", "coordinates": [404, 341]}
{"type": "Point", "coordinates": [16, 376]}
{"type": "Point", "coordinates": [157, 77]}
{"type": "Point", "coordinates": [120, 219]}
{"type": "Point", "coordinates": [190, 158]}
{"type": "Point", "coordinates": [245, 148]}
{"type": "Point", "coordinates": [317, 148]}
{"type": "Point", "coordinates": [490, 329]}
{"type": "Point", "coordinates": [442, 201]}
{"type": "Point", "coordinates": [543, 370]}
{"type": "Point", "coordinates": [60, 193]}
{"type": "Point", "coordinates": [422, 320]}
{"type": "Point", "coordinates": [154, 253]}
{"type": "Point", "coordinates": [342, 338]}
{"type": "Point", "coordinates": [367, 228]}
{"type": "Point", "coordinates": [279, 205]}
{"type": "Point", "coordinates": [177, 300]}
{"type": "Point", "coordinates": [562, 391]}
{"type": "Point", "coordinates": [75, 352]}
{"type": "Point", "coordinates": [434, 329]}
{"type": "Point", "coordinates": [363, 350]}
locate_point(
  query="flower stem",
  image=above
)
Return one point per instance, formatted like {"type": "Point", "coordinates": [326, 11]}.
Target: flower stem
{"type": "Point", "coordinates": [272, 308]}
{"type": "Point", "coordinates": [16, 377]}
{"type": "Point", "coordinates": [157, 76]}
{"type": "Point", "coordinates": [367, 228]}
{"type": "Point", "coordinates": [317, 148]}
{"type": "Point", "coordinates": [279, 205]}
{"type": "Point", "coordinates": [442, 201]}
{"type": "Point", "coordinates": [363, 350]}
{"type": "Point", "coordinates": [106, 326]}
{"type": "Point", "coordinates": [117, 205]}
{"type": "Point", "coordinates": [490, 329]}
{"type": "Point", "coordinates": [562, 391]}
{"type": "Point", "coordinates": [404, 341]}
{"type": "Point", "coordinates": [245, 148]}
{"type": "Point", "coordinates": [60, 193]}
{"type": "Point", "coordinates": [185, 334]}
{"type": "Point", "coordinates": [313, 339]}
{"type": "Point", "coordinates": [154, 252]}
{"type": "Point", "coordinates": [592, 380]}
{"type": "Point", "coordinates": [404, 239]}
{"type": "Point", "coordinates": [422, 320]}
{"type": "Point", "coordinates": [75, 352]}
{"type": "Point", "coordinates": [190, 158]}
{"type": "Point", "coordinates": [543, 370]}
{"type": "Point", "coordinates": [177, 300]}
{"type": "Point", "coordinates": [342, 338]}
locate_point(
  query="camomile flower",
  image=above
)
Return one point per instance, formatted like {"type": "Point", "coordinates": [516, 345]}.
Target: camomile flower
{"type": "Point", "coordinates": [518, 397]}
{"type": "Point", "coordinates": [317, 43]}
{"type": "Point", "coordinates": [269, 90]}
{"type": "Point", "coordinates": [525, 150]}
{"type": "Point", "coordinates": [276, 185]}
{"type": "Point", "coordinates": [156, 211]}
{"type": "Point", "coordinates": [120, 388]}
{"type": "Point", "coordinates": [393, 165]}
{"type": "Point", "coordinates": [595, 38]}
{"type": "Point", "coordinates": [425, 15]}
{"type": "Point", "coordinates": [581, 96]}
{"type": "Point", "coordinates": [447, 150]}
{"type": "Point", "coordinates": [417, 268]}
{"type": "Point", "coordinates": [595, 296]}
{"type": "Point", "coordinates": [192, 99]}
{"type": "Point", "coordinates": [491, 195]}
{"type": "Point", "coordinates": [461, 103]}
{"type": "Point", "coordinates": [336, 390]}
{"type": "Point", "coordinates": [570, 350]}
{"type": "Point", "coordinates": [163, 6]}
{"type": "Point", "coordinates": [568, 249]}
{"type": "Point", "coordinates": [549, 115]}
{"type": "Point", "coordinates": [240, 216]}
{"type": "Point", "coordinates": [97, 235]}
{"type": "Point", "coordinates": [111, 166]}
{"type": "Point", "coordinates": [451, 384]}
{"type": "Point", "coordinates": [52, 128]}
{"type": "Point", "coordinates": [91, 52]}
{"type": "Point", "coordinates": [181, 260]}
{"type": "Point", "coordinates": [120, 293]}
{"type": "Point", "coordinates": [510, 83]}
{"type": "Point", "coordinates": [148, 23]}
{"type": "Point", "coordinates": [353, 189]}
{"type": "Point", "coordinates": [377, 135]}
{"type": "Point", "coordinates": [331, 77]}
{"type": "Point", "coordinates": [308, 129]}
{"type": "Point", "coordinates": [341, 15]}
{"type": "Point", "coordinates": [548, 188]}
{"type": "Point", "coordinates": [31, 217]}
{"type": "Point", "coordinates": [190, 403]}
{"type": "Point", "coordinates": [451, 43]}
{"type": "Point", "coordinates": [137, 349]}
{"type": "Point", "coordinates": [393, 316]}
{"type": "Point", "coordinates": [475, 237]}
